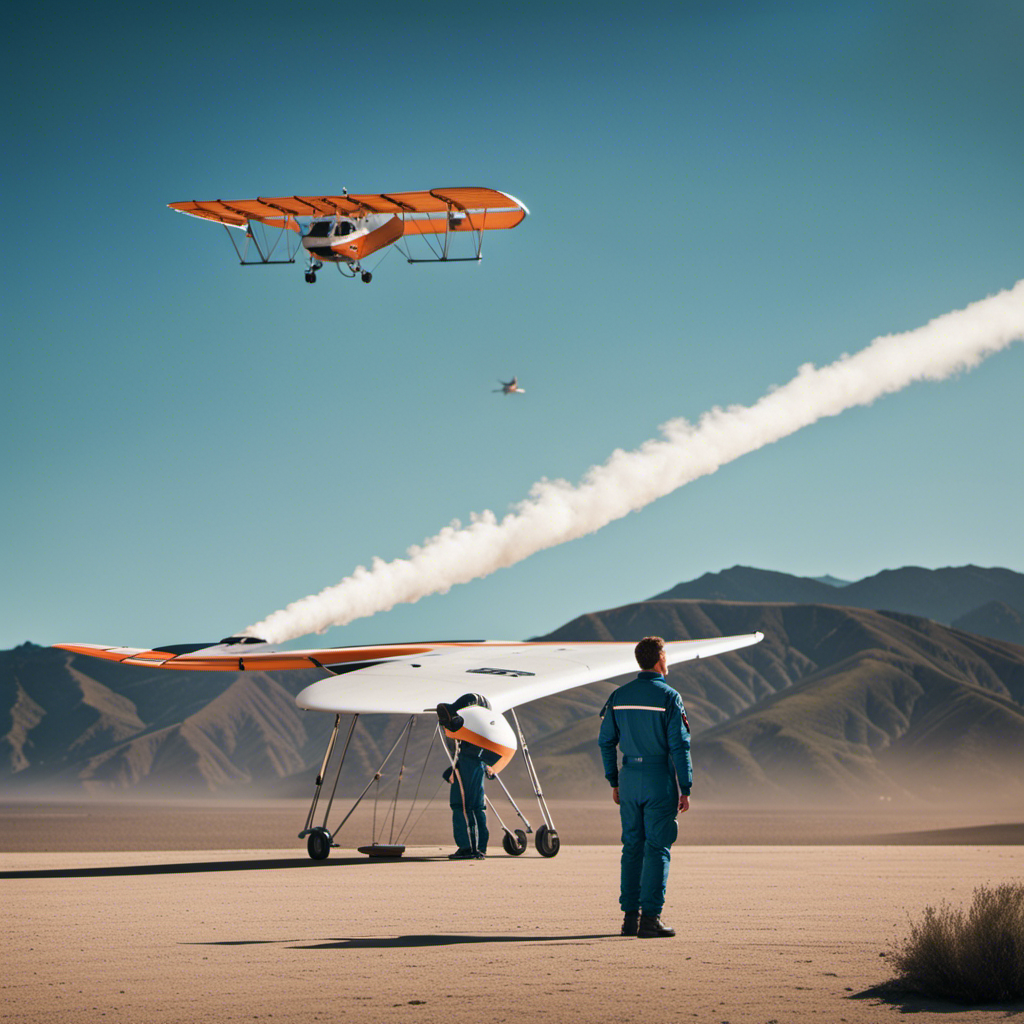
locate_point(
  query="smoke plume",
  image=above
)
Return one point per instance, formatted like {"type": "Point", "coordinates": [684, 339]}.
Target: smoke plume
{"type": "Point", "coordinates": [557, 511]}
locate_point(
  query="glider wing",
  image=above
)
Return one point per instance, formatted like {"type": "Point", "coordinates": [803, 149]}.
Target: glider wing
{"type": "Point", "coordinates": [414, 678]}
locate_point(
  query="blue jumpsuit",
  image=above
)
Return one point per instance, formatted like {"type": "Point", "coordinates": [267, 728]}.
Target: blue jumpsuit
{"type": "Point", "coordinates": [469, 824]}
{"type": "Point", "coordinates": [646, 721]}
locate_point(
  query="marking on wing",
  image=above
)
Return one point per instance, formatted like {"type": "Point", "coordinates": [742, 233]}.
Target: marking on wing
{"type": "Point", "coordinates": [501, 671]}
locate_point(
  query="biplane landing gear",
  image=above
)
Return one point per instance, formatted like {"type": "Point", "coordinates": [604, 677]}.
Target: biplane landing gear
{"type": "Point", "coordinates": [314, 266]}
{"type": "Point", "coordinates": [310, 277]}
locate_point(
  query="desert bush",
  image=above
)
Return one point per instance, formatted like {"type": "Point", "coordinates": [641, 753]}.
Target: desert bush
{"type": "Point", "coordinates": [972, 957]}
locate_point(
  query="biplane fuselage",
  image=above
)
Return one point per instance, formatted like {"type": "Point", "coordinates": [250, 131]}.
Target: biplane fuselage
{"type": "Point", "coordinates": [351, 239]}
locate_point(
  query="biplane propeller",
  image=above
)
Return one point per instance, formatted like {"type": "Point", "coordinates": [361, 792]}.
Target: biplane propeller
{"type": "Point", "coordinates": [416, 679]}
{"type": "Point", "coordinates": [346, 229]}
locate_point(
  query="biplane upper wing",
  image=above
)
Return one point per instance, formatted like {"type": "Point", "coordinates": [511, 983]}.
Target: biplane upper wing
{"type": "Point", "coordinates": [414, 678]}
{"type": "Point", "coordinates": [431, 212]}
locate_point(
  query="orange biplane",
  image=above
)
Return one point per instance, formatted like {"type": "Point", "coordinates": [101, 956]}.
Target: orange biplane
{"type": "Point", "coordinates": [345, 229]}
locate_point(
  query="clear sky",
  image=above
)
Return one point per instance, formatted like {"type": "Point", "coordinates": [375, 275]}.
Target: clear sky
{"type": "Point", "coordinates": [719, 192]}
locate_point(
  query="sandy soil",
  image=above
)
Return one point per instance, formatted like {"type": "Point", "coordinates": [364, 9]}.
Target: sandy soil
{"type": "Point", "coordinates": [766, 934]}
{"type": "Point", "coordinates": [197, 911]}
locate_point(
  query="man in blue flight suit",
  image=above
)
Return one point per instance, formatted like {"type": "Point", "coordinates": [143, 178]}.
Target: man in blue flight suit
{"type": "Point", "coordinates": [466, 796]}
{"type": "Point", "coordinates": [646, 721]}
{"type": "Point", "coordinates": [466, 799]}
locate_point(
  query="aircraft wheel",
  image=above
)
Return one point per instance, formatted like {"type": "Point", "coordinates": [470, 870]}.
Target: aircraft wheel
{"type": "Point", "coordinates": [547, 841]}
{"type": "Point", "coordinates": [367, 277]}
{"type": "Point", "coordinates": [514, 842]}
{"type": "Point", "coordinates": [318, 844]}
{"type": "Point", "coordinates": [310, 277]}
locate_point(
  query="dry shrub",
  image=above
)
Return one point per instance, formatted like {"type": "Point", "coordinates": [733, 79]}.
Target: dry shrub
{"type": "Point", "coordinates": [972, 957]}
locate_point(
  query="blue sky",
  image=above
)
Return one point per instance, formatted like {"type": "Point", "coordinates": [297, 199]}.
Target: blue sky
{"type": "Point", "coordinates": [718, 193]}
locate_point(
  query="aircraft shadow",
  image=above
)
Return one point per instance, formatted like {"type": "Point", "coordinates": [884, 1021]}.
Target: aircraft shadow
{"type": "Point", "coordinates": [200, 866]}
{"type": "Point", "coordinates": [406, 941]}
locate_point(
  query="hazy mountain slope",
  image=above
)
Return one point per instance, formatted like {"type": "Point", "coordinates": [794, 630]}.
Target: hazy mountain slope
{"type": "Point", "coordinates": [941, 594]}
{"type": "Point", "coordinates": [743, 583]}
{"type": "Point", "coordinates": [833, 701]}
{"type": "Point", "coordinates": [176, 730]}
{"type": "Point", "coordinates": [996, 619]}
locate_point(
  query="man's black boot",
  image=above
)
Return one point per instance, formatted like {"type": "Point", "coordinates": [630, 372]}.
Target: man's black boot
{"type": "Point", "coordinates": [630, 922]}
{"type": "Point", "coordinates": [463, 853]}
{"type": "Point", "coordinates": [652, 928]}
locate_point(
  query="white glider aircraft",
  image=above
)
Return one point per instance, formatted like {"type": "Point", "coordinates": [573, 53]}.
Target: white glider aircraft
{"type": "Point", "coordinates": [425, 679]}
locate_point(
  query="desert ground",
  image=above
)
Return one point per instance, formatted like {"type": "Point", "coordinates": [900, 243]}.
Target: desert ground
{"type": "Point", "coordinates": [187, 911]}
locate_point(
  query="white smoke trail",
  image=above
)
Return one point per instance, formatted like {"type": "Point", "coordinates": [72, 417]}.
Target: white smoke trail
{"type": "Point", "coordinates": [556, 511]}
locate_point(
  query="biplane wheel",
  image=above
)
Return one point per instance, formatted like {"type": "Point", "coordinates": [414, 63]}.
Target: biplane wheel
{"type": "Point", "coordinates": [310, 277]}
{"type": "Point", "coordinates": [514, 842]}
{"type": "Point", "coordinates": [547, 841]}
{"type": "Point", "coordinates": [367, 277]}
{"type": "Point", "coordinates": [318, 844]}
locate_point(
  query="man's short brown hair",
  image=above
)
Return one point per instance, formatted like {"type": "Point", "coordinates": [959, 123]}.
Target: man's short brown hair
{"type": "Point", "coordinates": [649, 652]}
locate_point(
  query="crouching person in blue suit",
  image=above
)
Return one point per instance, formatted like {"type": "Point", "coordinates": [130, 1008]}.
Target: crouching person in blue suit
{"type": "Point", "coordinates": [466, 796]}
{"type": "Point", "coordinates": [466, 799]}
{"type": "Point", "coordinates": [645, 720]}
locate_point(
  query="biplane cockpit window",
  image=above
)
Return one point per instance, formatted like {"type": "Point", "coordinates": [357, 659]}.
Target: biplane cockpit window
{"type": "Point", "coordinates": [344, 228]}
{"type": "Point", "coordinates": [320, 229]}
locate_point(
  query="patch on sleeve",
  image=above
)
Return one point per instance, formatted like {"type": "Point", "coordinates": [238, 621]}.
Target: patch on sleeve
{"type": "Point", "coordinates": [607, 703]}
{"type": "Point", "coordinates": [686, 721]}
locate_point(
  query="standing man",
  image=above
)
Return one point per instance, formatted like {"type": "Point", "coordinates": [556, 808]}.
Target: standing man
{"type": "Point", "coordinates": [646, 720]}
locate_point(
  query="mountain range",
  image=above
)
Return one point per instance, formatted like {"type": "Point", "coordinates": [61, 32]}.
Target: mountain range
{"type": "Point", "coordinates": [839, 702]}
{"type": "Point", "coordinates": [985, 601]}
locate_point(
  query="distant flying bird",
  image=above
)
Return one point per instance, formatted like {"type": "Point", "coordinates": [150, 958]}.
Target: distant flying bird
{"type": "Point", "coordinates": [509, 387]}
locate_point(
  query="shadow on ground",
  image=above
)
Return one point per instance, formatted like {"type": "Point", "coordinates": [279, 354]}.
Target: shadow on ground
{"type": "Point", "coordinates": [406, 941]}
{"type": "Point", "coordinates": [912, 1002]}
{"type": "Point", "coordinates": [199, 866]}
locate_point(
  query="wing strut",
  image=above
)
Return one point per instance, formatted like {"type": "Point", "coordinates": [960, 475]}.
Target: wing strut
{"type": "Point", "coordinates": [319, 838]}
{"type": "Point", "coordinates": [268, 249]}
{"type": "Point", "coordinates": [319, 842]}
{"type": "Point", "coordinates": [454, 215]}
{"type": "Point", "coordinates": [546, 839]}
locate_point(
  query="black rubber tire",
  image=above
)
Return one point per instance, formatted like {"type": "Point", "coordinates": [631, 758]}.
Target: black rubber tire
{"type": "Point", "coordinates": [547, 841]}
{"type": "Point", "coordinates": [367, 277]}
{"type": "Point", "coordinates": [318, 844]}
{"type": "Point", "coordinates": [514, 843]}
